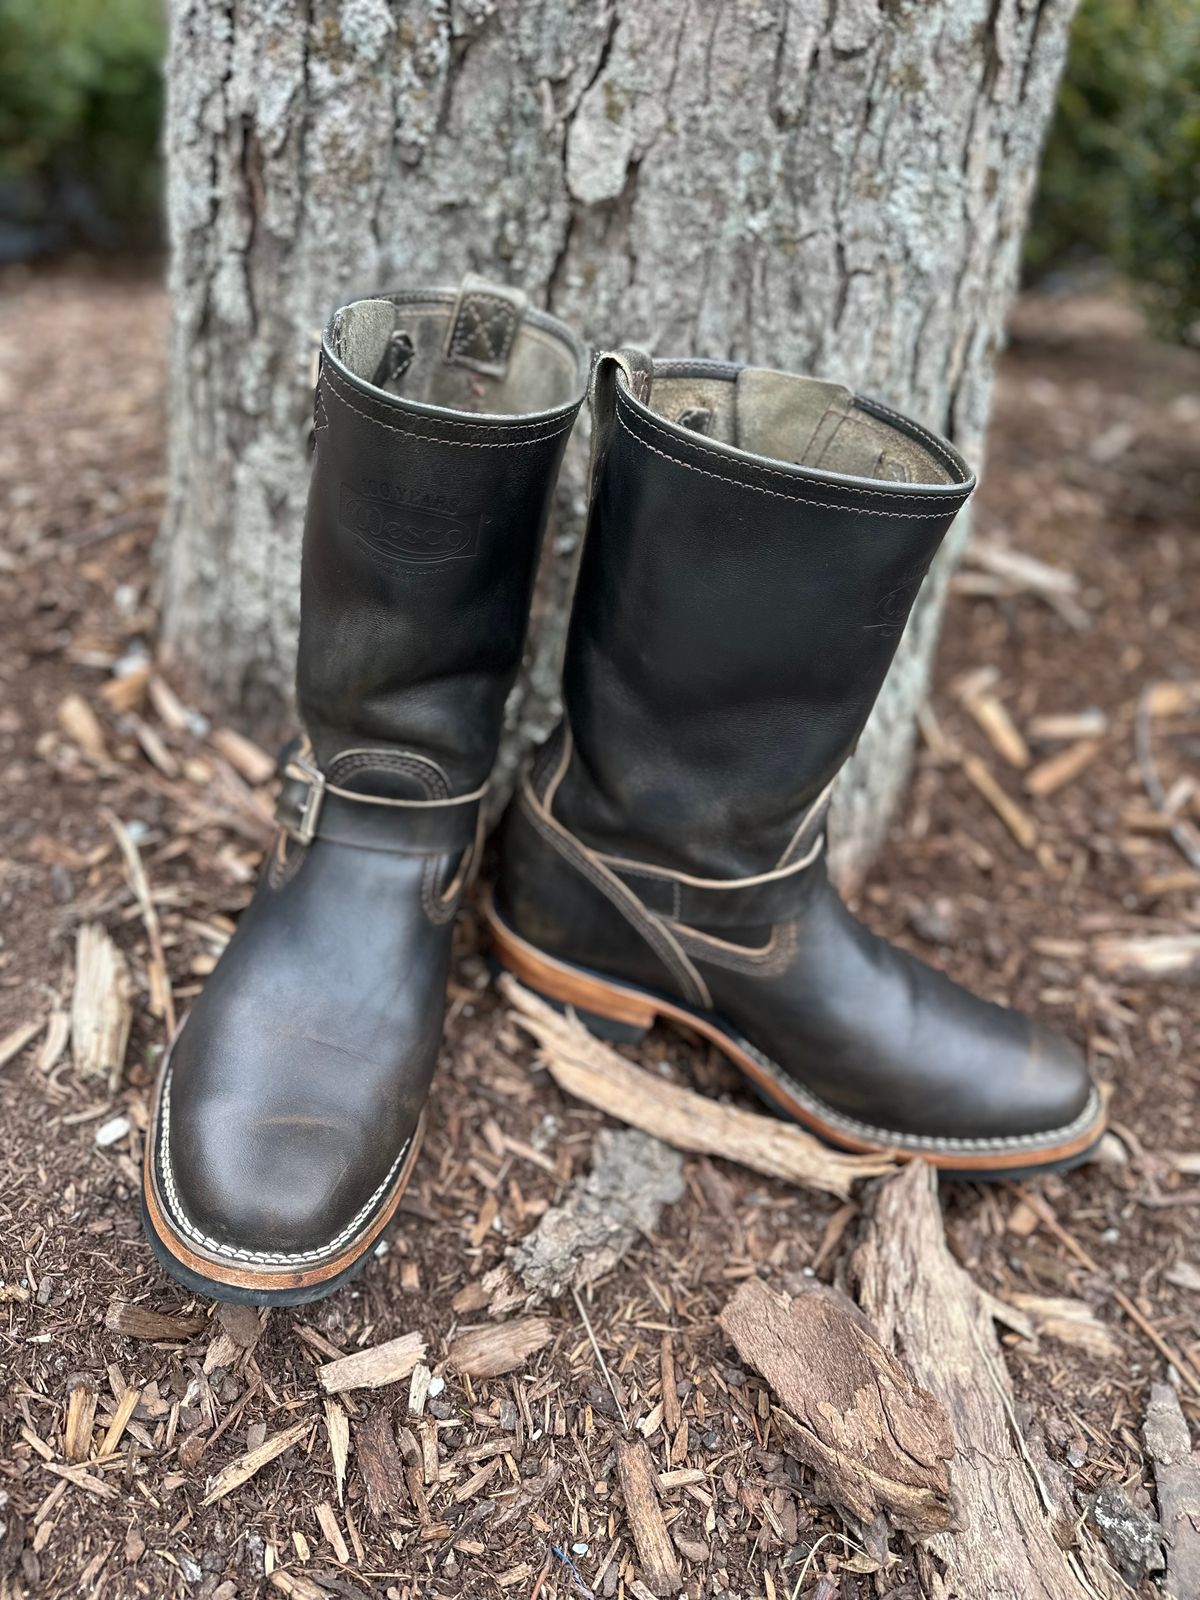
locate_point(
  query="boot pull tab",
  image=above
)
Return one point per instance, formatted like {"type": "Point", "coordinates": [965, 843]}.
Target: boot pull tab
{"type": "Point", "coordinates": [630, 366]}
{"type": "Point", "coordinates": [483, 326]}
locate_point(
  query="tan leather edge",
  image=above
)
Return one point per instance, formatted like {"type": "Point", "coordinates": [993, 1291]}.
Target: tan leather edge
{"type": "Point", "coordinates": [589, 993]}
{"type": "Point", "coordinates": [221, 1270]}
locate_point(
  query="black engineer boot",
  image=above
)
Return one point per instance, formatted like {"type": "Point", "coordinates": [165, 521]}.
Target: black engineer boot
{"type": "Point", "coordinates": [289, 1110]}
{"type": "Point", "coordinates": [755, 544]}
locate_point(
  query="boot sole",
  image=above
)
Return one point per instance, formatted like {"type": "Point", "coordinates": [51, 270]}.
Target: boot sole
{"type": "Point", "coordinates": [623, 1013]}
{"type": "Point", "coordinates": [215, 1273]}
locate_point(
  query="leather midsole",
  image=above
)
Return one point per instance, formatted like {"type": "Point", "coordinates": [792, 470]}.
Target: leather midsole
{"type": "Point", "coordinates": [589, 991]}
{"type": "Point", "coordinates": [268, 1278]}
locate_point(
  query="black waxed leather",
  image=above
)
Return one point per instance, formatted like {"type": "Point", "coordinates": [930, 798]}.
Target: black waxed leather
{"type": "Point", "coordinates": [308, 807]}
{"type": "Point", "coordinates": [717, 903]}
{"type": "Point", "coordinates": [297, 1081]}
{"type": "Point", "coordinates": [740, 615]}
{"type": "Point", "coordinates": [431, 677]}
{"type": "Point", "coordinates": [734, 620]}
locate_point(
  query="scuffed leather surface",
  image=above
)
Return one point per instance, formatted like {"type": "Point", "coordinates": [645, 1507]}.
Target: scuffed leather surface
{"type": "Point", "coordinates": [302, 1068]}
{"type": "Point", "coordinates": [733, 624]}
{"type": "Point", "coordinates": [733, 619]}
{"type": "Point", "coordinates": [416, 653]}
{"type": "Point", "coordinates": [884, 1038]}
{"type": "Point", "coordinates": [306, 1060]}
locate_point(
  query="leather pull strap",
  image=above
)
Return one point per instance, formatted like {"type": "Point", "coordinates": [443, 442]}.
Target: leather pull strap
{"type": "Point", "coordinates": [720, 903]}
{"type": "Point", "coordinates": [483, 326]}
{"type": "Point", "coordinates": [631, 368]}
{"type": "Point", "coordinates": [310, 807]}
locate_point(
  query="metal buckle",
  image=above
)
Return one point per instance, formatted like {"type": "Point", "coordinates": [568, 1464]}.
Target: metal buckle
{"type": "Point", "coordinates": [303, 771]}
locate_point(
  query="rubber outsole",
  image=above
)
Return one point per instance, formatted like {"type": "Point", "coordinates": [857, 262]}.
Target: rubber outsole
{"type": "Point", "coordinates": [624, 1013]}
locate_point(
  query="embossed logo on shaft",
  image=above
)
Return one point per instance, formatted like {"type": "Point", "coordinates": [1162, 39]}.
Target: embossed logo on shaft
{"type": "Point", "coordinates": [401, 532]}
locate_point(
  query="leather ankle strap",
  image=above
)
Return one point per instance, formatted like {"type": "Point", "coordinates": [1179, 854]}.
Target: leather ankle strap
{"type": "Point", "coordinates": [310, 807]}
{"type": "Point", "coordinates": [719, 902]}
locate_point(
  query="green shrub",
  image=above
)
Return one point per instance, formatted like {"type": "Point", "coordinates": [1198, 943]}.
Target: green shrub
{"type": "Point", "coordinates": [1121, 175]}
{"type": "Point", "coordinates": [80, 107]}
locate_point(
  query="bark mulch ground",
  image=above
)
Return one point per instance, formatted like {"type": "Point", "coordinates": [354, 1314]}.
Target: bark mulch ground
{"type": "Point", "coordinates": [152, 1444]}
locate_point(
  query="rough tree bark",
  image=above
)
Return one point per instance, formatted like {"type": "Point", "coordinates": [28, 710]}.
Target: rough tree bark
{"type": "Point", "coordinates": [832, 185]}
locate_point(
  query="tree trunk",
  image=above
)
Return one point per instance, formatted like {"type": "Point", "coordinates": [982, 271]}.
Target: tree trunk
{"type": "Point", "coordinates": [836, 186]}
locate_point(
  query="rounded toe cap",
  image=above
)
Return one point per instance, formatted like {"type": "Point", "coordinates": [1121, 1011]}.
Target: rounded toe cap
{"type": "Point", "coordinates": [1056, 1091]}
{"type": "Point", "coordinates": [273, 1189]}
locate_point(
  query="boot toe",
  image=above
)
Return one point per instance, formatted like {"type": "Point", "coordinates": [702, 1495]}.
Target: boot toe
{"type": "Point", "coordinates": [272, 1187]}
{"type": "Point", "coordinates": [1057, 1089]}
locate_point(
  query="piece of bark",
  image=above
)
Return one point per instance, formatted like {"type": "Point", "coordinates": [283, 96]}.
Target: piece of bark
{"type": "Point", "coordinates": [589, 1069]}
{"type": "Point", "coordinates": [139, 1322]}
{"type": "Point", "coordinates": [1069, 1321]}
{"type": "Point", "coordinates": [222, 1352]}
{"type": "Point", "coordinates": [82, 726]}
{"type": "Point", "coordinates": [490, 1352]}
{"type": "Point", "coordinates": [243, 1469]}
{"type": "Point", "coordinates": [418, 1389]}
{"type": "Point", "coordinates": [876, 1441]}
{"type": "Point", "coordinates": [583, 1237]}
{"type": "Point", "coordinates": [923, 1303]}
{"type": "Point", "coordinates": [126, 1406]}
{"type": "Point", "coordinates": [380, 1463]}
{"type": "Point", "coordinates": [656, 1553]}
{"type": "Point", "coordinates": [670, 1399]}
{"type": "Point", "coordinates": [13, 1043]}
{"type": "Point", "coordinates": [1061, 768]}
{"type": "Point", "coordinates": [1055, 727]}
{"type": "Point", "coordinates": [1169, 957]}
{"type": "Point", "coordinates": [1177, 1482]}
{"type": "Point", "coordinates": [1184, 1275]}
{"type": "Point", "coordinates": [244, 756]}
{"type": "Point", "coordinates": [374, 1367]}
{"type": "Point", "coordinates": [338, 1429]}
{"type": "Point", "coordinates": [81, 1418]}
{"type": "Point", "coordinates": [297, 1586]}
{"type": "Point", "coordinates": [58, 1032]}
{"type": "Point", "coordinates": [101, 1007]}
{"type": "Point", "coordinates": [1134, 1539]}
{"type": "Point", "coordinates": [1003, 734]}
{"type": "Point", "coordinates": [1018, 822]}
{"type": "Point", "coordinates": [162, 1001]}
{"type": "Point", "coordinates": [243, 1324]}
{"type": "Point", "coordinates": [327, 1518]}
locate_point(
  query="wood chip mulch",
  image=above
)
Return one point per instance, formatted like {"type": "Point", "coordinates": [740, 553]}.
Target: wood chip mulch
{"type": "Point", "coordinates": [438, 1429]}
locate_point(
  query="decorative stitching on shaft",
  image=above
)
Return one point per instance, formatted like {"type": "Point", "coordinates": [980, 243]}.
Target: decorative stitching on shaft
{"type": "Point", "coordinates": [952, 507]}
{"type": "Point", "coordinates": [433, 438]}
{"type": "Point", "coordinates": [896, 496]}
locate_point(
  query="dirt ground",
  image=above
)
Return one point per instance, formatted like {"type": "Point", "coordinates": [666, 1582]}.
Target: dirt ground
{"type": "Point", "coordinates": [1081, 902]}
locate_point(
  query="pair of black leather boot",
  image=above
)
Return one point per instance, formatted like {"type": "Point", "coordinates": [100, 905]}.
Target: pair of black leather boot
{"type": "Point", "coordinates": [755, 543]}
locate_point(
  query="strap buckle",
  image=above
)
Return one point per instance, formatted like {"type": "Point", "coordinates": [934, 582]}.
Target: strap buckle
{"type": "Point", "coordinates": [300, 818]}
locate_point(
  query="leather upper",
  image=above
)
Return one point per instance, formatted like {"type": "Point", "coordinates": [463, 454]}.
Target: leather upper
{"type": "Point", "coordinates": [734, 620]}
{"type": "Point", "coordinates": [736, 616]}
{"type": "Point", "coordinates": [299, 1076]}
{"type": "Point", "coordinates": [421, 537]}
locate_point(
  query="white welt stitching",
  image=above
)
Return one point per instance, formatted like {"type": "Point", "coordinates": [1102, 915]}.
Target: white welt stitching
{"type": "Point", "coordinates": [919, 1141]}
{"type": "Point", "coordinates": [264, 1257]}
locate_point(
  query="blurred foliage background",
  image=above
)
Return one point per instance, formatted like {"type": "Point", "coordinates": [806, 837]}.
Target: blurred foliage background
{"type": "Point", "coordinates": [1120, 179]}
{"type": "Point", "coordinates": [81, 96]}
{"type": "Point", "coordinates": [81, 101]}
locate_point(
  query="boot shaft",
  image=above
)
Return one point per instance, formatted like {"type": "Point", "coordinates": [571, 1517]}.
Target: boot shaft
{"type": "Point", "coordinates": [755, 544]}
{"type": "Point", "coordinates": [440, 423]}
